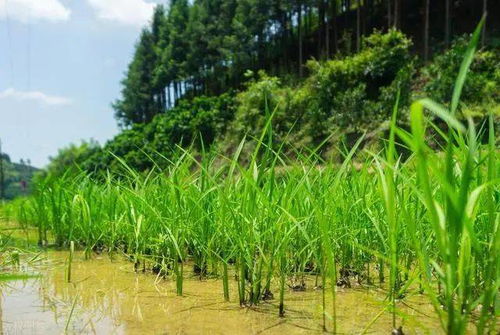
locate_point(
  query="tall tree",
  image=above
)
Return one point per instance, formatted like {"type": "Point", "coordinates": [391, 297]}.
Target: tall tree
{"type": "Point", "coordinates": [358, 25]}
{"type": "Point", "coordinates": [175, 55]}
{"type": "Point", "coordinates": [389, 14]}
{"type": "Point", "coordinates": [198, 47]}
{"type": "Point", "coordinates": [447, 23]}
{"type": "Point", "coordinates": [334, 12]}
{"type": "Point", "coordinates": [426, 29]}
{"type": "Point", "coordinates": [159, 31]}
{"type": "Point", "coordinates": [196, 58]}
{"type": "Point", "coordinates": [327, 28]}
{"type": "Point", "coordinates": [299, 33]}
{"type": "Point", "coordinates": [321, 26]}
{"type": "Point", "coordinates": [397, 14]}
{"type": "Point", "coordinates": [137, 104]}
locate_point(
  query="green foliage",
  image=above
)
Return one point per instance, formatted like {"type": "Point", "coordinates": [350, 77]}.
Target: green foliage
{"type": "Point", "coordinates": [262, 96]}
{"type": "Point", "coordinates": [350, 94]}
{"type": "Point", "coordinates": [138, 104]}
{"type": "Point", "coordinates": [190, 122]}
{"type": "Point", "coordinates": [130, 145]}
{"type": "Point", "coordinates": [17, 177]}
{"type": "Point", "coordinates": [339, 100]}
{"type": "Point", "coordinates": [482, 86]}
{"type": "Point", "coordinates": [357, 92]}
{"type": "Point", "coordinates": [204, 47]}
{"type": "Point", "coordinates": [203, 117]}
{"type": "Point", "coordinates": [71, 158]}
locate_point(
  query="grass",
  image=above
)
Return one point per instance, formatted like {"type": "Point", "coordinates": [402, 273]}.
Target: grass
{"type": "Point", "coordinates": [431, 219]}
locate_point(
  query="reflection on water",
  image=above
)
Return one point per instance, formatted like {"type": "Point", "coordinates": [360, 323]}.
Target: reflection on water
{"type": "Point", "coordinates": [107, 297]}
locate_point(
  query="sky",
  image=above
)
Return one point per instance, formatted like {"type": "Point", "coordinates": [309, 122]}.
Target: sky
{"type": "Point", "coordinates": [61, 62]}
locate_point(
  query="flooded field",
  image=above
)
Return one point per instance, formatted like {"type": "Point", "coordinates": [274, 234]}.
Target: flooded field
{"type": "Point", "coordinates": [107, 297]}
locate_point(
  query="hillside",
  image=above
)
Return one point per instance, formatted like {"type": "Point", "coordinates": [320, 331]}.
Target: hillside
{"type": "Point", "coordinates": [204, 75]}
{"type": "Point", "coordinates": [17, 177]}
{"type": "Point", "coordinates": [337, 102]}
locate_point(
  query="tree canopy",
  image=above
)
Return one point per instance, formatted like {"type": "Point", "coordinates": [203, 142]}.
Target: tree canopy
{"type": "Point", "coordinates": [204, 47]}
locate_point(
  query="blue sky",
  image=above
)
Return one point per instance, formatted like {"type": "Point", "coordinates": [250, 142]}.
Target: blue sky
{"type": "Point", "coordinates": [61, 62]}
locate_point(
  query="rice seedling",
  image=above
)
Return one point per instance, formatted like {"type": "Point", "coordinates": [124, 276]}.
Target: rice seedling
{"type": "Point", "coordinates": [70, 261]}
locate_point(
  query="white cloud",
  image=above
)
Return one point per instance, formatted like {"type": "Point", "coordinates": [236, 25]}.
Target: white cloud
{"type": "Point", "coordinates": [36, 96]}
{"type": "Point", "coordinates": [128, 12]}
{"type": "Point", "coordinates": [27, 11]}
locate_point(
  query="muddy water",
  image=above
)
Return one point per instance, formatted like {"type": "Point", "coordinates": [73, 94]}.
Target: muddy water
{"type": "Point", "coordinates": [107, 297]}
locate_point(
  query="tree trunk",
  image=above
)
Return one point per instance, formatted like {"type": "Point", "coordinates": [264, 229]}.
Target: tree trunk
{"type": "Point", "coordinates": [426, 31]}
{"type": "Point", "coordinates": [177, 91]}
{"type": "Point", "coordinates": [327, 29]}
{"type": "Point", "coordinates": [299, 31]}
{"type": "Point", "coordinates": [358, 25]}
{"type": "Point", "coordinates": [447, 23]}
{"type": "Point", "coordinates": [284, 32]}
{"type": "Point", "coordinates": [335, 27]}
{"type": "Point", "coordinates": [307, 20]}
{"type": "Point", "coordinates": [389, 21]}
{"type": "Point", "coordinates": [163, 100]}
{"type": "Point", "coordinates": [397, 9]}
{"type": "Point", "coordinates": [1, 312]}
{"type": "Point", "coordinates": [286, 40]}
{"type": "Point", "coordinates": [363, 17]}
{"type": "Point", "coordinates": [321, 27]}
{"type": "Point", "coordinates": [168, 96]}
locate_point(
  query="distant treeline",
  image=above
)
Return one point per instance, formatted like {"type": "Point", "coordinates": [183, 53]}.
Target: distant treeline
{"type": "Point", "coordinates": [15, 178]}
{"type": "Point", "coordinates": [204, 47]}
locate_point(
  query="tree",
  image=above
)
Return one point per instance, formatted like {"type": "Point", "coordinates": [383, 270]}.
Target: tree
{"type": "Point", "coordinates": [196, 57]}
{"type": "Point", "coordinates": [160, 36]}
{"type": "Point", "coordinates": [175, 55]}
{"type": "Point", "coordinates": [299, 33]}
{"type": "Point", "coordinates": [71, 158]}
{"type": "Point", "coordinates": [334, 11]}
{"type": "Point", "coordinates": [426, 30]}
{"type": "Point", "coordinates": [447, 23]}
{"type": "Point", "coordinates": [137, 104]}
{"type": "Point", "coordinates": [397, 14]}
{"type": "Point", "coordinates": [358, 25]}
{"type": "Point", "coordinates": [205, 47]}
{"type": "Point", "coordinates": [389, 14]}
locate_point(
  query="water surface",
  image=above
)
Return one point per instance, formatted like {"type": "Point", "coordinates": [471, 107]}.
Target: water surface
{"type": "Point", "coordinates": [107, 297]}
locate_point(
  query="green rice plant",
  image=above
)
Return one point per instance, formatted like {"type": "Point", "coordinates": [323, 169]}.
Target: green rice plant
{"type": "Point", "coordinates": [388, 190]}
{"type": "Point", "coordinates": [70, 315]}
{"type": "Point", "coordinates": [451, 195]}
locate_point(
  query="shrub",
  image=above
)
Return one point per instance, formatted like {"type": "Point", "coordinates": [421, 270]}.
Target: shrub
{"type": "Point", "coordinates": [482, 85]}
{"type": "Point", "coordinates": [203, 117]}
{"type": "Point", "coordinates": [358, 92]}
{"type": "Point", "coordinates": [71, 158]}
{"type": "Point", "coordinates": [262, 96]}
{"type": "Point", "coordinates": [351, 94]}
